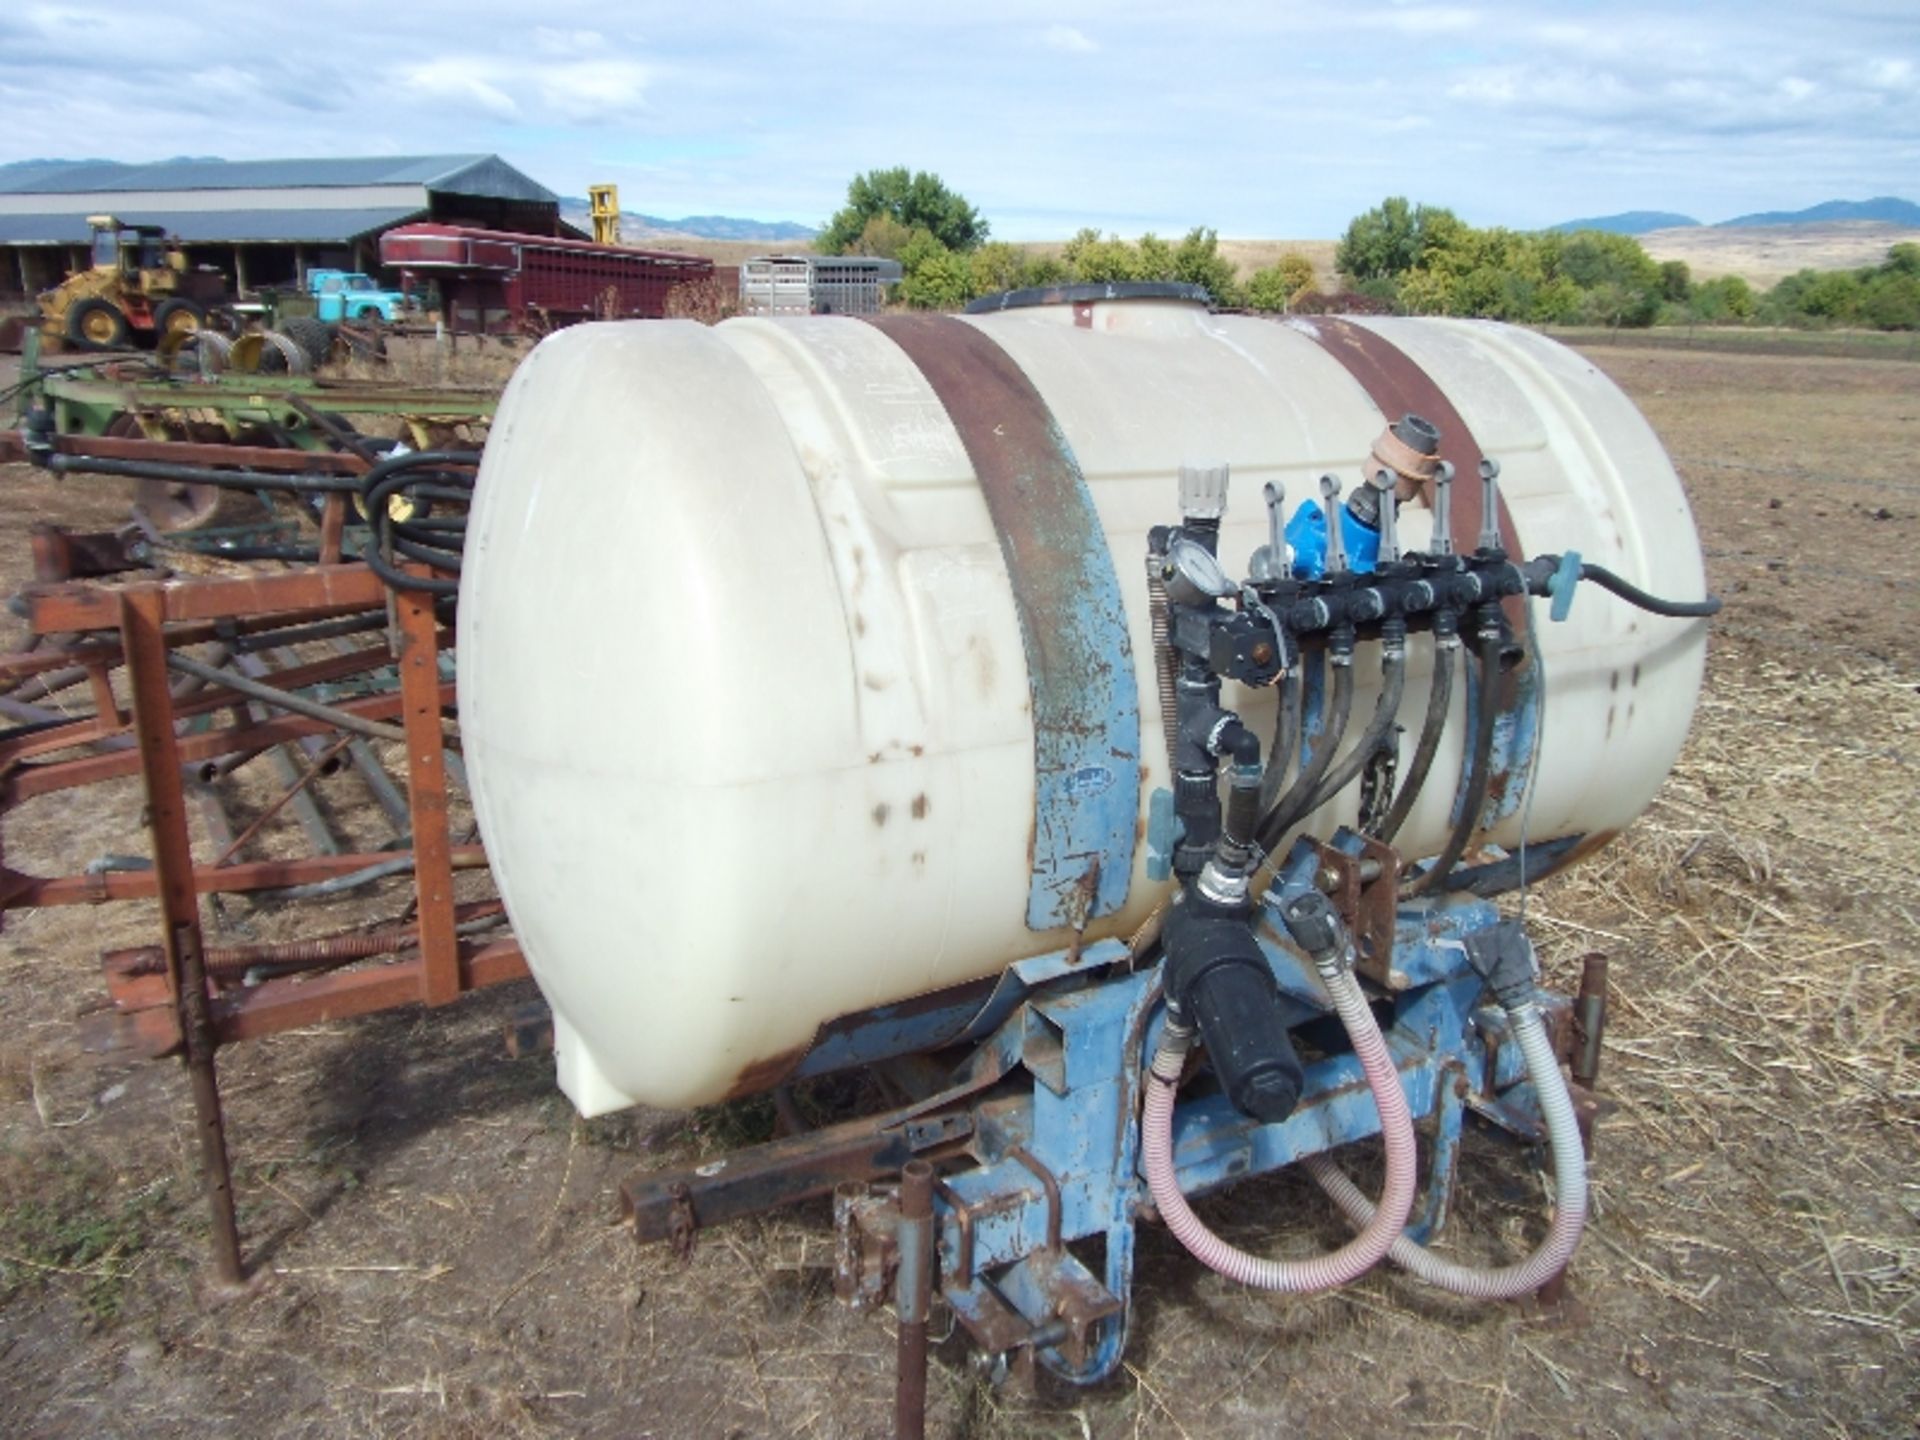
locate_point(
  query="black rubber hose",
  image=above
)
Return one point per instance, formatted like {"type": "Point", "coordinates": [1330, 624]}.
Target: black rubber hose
{"type": "Point", "coordinates": [1393, 684]}
{"type": "Point", "coordinates": [400, 580]}
{"type": "Point", "coordinates": [1652, 604]}
{"type": "Point", "coordinates": [1286, 736]}
{"type": "Point", "coordinates": [63, 464]}
{"type": "Point", "coordinates": [1292, 806]}
{"type": "Point", "coordinates": [1439, 699]}
{"type": "Point", "coordinates": [428, 473]}
{"type": "Point", "coordinates": [1479, 767]}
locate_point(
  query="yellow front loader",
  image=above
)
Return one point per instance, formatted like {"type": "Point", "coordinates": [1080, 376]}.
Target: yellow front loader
{"type": "Point", "coordinates": [138, 289]}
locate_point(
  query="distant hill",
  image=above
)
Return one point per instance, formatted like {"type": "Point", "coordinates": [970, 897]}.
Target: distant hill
{"type": "Point", "coordinates": [635, 228]}
{"type": "Point", "coordinates": [27, 172]}
{"type": "Point", "coordinates": [1629, 222]}
{"type": "Point", "coordinates": [1884, 208]}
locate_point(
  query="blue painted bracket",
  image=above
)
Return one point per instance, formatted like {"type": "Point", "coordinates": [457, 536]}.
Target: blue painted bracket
{"type": "Point", "coordinates": [1055, 1164]}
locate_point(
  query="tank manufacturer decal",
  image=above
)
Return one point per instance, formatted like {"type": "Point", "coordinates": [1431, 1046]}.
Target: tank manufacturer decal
{"type": "Point", "coordinates": [1080, 674]}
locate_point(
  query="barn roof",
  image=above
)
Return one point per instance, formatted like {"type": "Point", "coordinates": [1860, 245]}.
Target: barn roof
{"type": "Point", "coordinates": [486, 175]}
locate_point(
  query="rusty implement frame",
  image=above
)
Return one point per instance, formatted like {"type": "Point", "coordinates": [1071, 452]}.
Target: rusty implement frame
{"type": "Point", "coordinates": [188, 1000]}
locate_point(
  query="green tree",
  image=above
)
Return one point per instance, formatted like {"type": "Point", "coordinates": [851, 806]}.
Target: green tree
{"type": "Point", "coordinates": [1392, 238]}
{"type": "Point", "coordinates": [1676, 281]}
{"type": "Point", "coordinates": [1277, 286]}
{"type": "Point", "coordinates": [1834, 297]}
{"type": "Point", "coordinates": [1782, 304]}
{"type": "Point", "coordinates": [1599, 257]}
{"type": "Point", "coordinates": [1197, 261]}
{"type": "Point", "coordinates": [1891, 300]}
{"type": "Point", "coordinates": [1903, 259]}
{"type": "Point", "coordinates": [883, 236]}
{"type": "Point", "coordinates": [1045, 270]}
{"type": "Point", "coordinates": [937, 279]}
{"type": "Point", "coordinates": [1153, 258]}
{"type": "Point", "coordinates": [1094, 257]}
{"type": "Point", "coordinates": [997, 266]}
{"type": "Point", "coordinates": [916, 199]}
{"type": "Point", "coordinates": [1727, 298]}
{"type": "Point", "coordinates": [1556, 302]}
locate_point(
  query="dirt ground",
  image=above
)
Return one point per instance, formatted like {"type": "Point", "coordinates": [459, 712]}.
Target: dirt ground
{"type": "Point", "coordinates": [434, 1230]}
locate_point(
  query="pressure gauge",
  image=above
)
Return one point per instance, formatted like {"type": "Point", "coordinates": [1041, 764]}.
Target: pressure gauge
{"type": "Point", "coordinates": [1194, 574]}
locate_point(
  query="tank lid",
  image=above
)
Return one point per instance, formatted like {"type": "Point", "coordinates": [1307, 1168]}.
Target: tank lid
{"type": "Point", "coordinates": [1088, 291]}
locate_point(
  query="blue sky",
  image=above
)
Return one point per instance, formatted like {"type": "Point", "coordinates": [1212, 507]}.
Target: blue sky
{"type": "Point", "coordinates": [1262, 120]}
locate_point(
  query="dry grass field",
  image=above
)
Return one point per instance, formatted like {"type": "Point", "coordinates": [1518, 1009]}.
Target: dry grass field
{"type": "Point", "coordinates": [434, 1229]}
{"type": "Point", "coordinates": [1763, 254]}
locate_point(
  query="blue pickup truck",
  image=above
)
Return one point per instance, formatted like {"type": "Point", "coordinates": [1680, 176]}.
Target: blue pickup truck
{"type": "Point", "coordinates": [347, 295]}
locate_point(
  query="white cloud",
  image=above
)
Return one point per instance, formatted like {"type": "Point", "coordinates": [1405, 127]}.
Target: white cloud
{"type": "Point", "coordinates": [1067, 39]}
{"type": "Point", "coordinates": [1423, 19]}
{"type": "Point", "coordinates": [461, 78]}
{"type": "Point", "coordinates": [1890, 74]}
{"type": "Point", "coordinates": [593, 91]}
{"type": "Point", "coordinates": [568, 42]}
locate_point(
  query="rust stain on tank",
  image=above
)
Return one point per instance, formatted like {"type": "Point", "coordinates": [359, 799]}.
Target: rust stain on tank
{"type": "Point", "coordinates": [764, 1074]}
{"type": "Point", "coordinates": [986, 670]}
{"type": "Point", "coordinates": [859, 623]}
{"type": "Point", "coordinates": [873, 681]}
{"type": "Point", "coordinates": [881, 812]}
{"type": "Point", "coordinates": [920, 807]}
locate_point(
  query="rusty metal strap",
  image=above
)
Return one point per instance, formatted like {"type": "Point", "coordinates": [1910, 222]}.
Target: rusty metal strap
{"type": "Point", "coordinates": [1086, 708]}
{"type": "Point", "coordinates": [1398, 386]}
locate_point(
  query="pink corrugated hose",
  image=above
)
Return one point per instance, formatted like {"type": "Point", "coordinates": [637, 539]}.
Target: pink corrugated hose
{"type": "Point", "coordinates": [1322, 1272]}
{"type": "Point", "coordinates": [1570, 1187]}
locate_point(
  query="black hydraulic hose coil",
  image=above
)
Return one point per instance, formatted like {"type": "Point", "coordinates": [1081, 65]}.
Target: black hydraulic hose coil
{"type": "Point", "coordinates": [1439, 700]}
{"type": "Point", "coordinates": [1479, 767]}
{"type": "Point", "coordinates": [429, 474]}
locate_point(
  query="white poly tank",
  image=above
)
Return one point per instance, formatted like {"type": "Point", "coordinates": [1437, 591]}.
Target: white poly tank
{"type": "Point", "coordinates": [742, 686]}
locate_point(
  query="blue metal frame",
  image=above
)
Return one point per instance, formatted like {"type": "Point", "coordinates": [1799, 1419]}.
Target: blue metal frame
{"type": "Point", "coordinates": [1057, 1161]}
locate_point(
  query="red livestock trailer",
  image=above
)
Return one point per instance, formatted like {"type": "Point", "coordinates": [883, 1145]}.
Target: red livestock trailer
{"type": "Point", "coordinates": [494, 282]}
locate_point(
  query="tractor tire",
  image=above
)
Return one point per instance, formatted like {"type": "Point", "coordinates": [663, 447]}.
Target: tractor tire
{"type": "Point", "coordinates": [174, 321]}
{"type": "Point", "coordinates": [96, 324]}
{"type": "Point", "coordinates": [366, 336]}
{"type": "Point", "coordinates": [313, 336]}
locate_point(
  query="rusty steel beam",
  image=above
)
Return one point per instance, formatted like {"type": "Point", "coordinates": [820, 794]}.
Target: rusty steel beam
{"type": "Point", "coordinates": [672, 1205]}
{"type": "Point", "coordinates": [29, 780]}
{"type": "Point", "coordinates": [277, 1005]}
{"type": "Point", "coordinates": [913, 1297]}
{"type": "Point", "coordinates": [143, 638]}
{"type": "Point", "coordinates": [427, 794]}
{"type": "Point", "coordinates": [95, 727]}
{"type": "Point", "coordinates": [143, 1023]}
{"type": "Point", "coordinates": [186, 452]}
{"type": "Point", "coordinates": [29, 892]}
{"type": "Point", "coordinates": [81, 607]}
